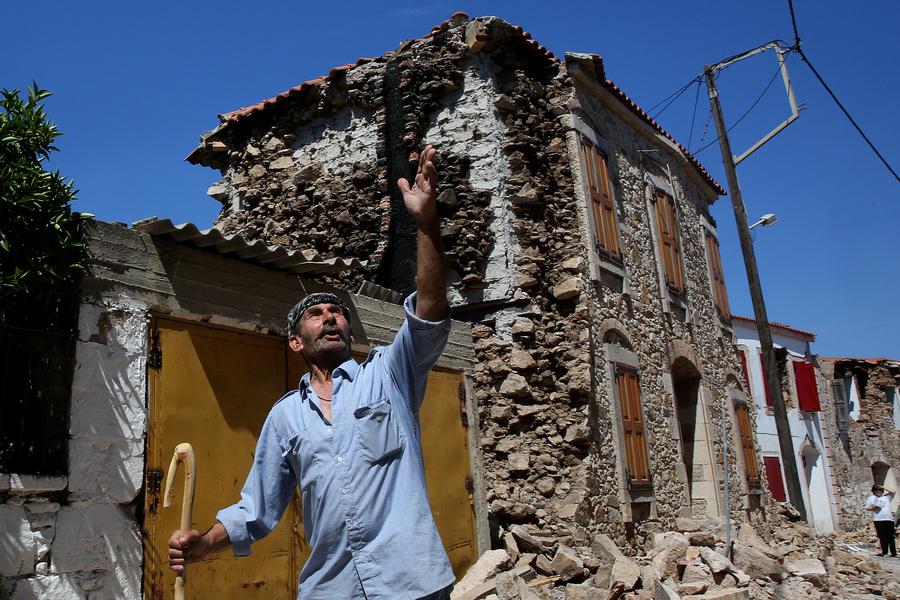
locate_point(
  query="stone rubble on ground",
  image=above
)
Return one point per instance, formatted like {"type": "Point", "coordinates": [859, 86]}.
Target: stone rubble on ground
{"type": "Point", "coordinates": [689, 564]}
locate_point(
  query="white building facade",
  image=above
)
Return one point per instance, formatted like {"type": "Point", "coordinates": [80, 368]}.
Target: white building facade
{"type": "Point", "coordinates": [802, 386]}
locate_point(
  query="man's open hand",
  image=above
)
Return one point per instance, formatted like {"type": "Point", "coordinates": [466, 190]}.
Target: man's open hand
{"type": "Point", "coordinates": [421, 198]}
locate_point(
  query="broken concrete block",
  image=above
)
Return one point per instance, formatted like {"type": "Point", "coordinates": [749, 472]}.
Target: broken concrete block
{"type": "Point", "coordinates": [605, 549]}
{"type": "Point", "coordinates": [567, 564]}
{"type": "Point", "coordinates": [694, 573]}
{"type": "Point", "coordinates": [526, 541]}
{"type": "Point", "coordinates": [669, 548]}
{"type": "Point", "coordinates": [702, 538]}
{"type": "Point", "coordinates": [693, 588]}
{"type": "Point", "coordinates": [489, 565]}
{"type": "Point", "coordinates": [626, 572]}
{"type": "Point", "coordinates": [509, 542]}
{"type": "Point", "coordinates": [580, 591]}
{"type": "Point", "coordinates": [511, 587]}
{"type": "Point", "coordinates": [810, 569]}
{"type": "Point", "coordinates": [715, 561]}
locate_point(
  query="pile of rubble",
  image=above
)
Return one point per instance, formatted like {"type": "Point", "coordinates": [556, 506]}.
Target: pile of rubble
{"type": "Point", "coordinates": [690, 563]}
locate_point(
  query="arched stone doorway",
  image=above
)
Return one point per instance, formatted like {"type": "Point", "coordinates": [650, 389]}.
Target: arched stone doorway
{"type": "Point", "coordinates": [696, 440]}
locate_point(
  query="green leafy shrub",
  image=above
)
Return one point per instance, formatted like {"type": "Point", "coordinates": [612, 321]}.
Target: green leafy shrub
{"type": "Point", "coordinates": [42, 255]}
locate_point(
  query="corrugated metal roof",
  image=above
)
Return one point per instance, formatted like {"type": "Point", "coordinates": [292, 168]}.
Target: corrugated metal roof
{"type": "Point", "coordinates": [295, 262]}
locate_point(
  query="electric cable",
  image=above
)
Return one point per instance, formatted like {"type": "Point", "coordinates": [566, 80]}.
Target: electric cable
{"type": "Point", "coordinates": [833, 97]}
{"type": "Point", "coordinates": [671, 98]}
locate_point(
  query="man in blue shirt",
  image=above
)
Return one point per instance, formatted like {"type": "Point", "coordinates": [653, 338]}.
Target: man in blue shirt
{"type": "Point", "coordinates": [349, 437]}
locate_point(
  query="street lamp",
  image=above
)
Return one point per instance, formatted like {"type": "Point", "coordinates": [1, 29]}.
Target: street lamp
{"type": "Point", "coordinates": [766, 220]}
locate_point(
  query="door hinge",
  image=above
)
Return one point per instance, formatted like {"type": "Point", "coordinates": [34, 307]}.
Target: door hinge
{"type": "Point", "coordinates": [154, 480]}
{"type": "Point", "coordinates": [154, 354]}
{"type": "Point", "coordinates": [154, 484]}
{"type": "Point", "coordinates": [463, 415]}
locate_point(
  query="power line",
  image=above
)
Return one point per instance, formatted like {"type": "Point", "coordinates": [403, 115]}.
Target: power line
{"type": "Point", "coordinates": [833, 97]}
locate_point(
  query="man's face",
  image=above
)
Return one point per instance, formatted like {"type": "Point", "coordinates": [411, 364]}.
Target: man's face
{"type": "Point", "coordinates": [325, 334]}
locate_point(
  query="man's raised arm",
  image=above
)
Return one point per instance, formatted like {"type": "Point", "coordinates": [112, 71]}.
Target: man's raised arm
{"type": "Point", "coordinates": [431, 269]}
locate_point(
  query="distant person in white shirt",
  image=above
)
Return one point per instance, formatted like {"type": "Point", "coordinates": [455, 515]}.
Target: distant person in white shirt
{"type": "Point", "coordinates": [880, 505]}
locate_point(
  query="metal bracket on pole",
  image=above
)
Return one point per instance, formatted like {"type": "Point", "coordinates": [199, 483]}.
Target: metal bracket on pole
{"type": "Point", "coordinates": [795, 111]}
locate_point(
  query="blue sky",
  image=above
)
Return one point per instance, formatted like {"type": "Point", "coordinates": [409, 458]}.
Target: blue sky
{"type": "Point", "coordinates": [135, 84]}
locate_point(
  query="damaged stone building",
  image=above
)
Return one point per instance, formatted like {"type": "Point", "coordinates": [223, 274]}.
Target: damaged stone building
{"type": "Point", "coordinates": [581, 249]}
{"type": "Point", "coordinates": [864, 416]}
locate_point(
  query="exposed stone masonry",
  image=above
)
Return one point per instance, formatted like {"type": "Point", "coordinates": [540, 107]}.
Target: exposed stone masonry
{"type": "Point", "coordinates": [314, 170]}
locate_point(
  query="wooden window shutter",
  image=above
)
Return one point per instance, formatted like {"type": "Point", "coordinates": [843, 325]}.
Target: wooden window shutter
{"type": "Point", "coordinates": [773, 476]}
{"type": "Point", "coordinates": [841, 410]}
{"type": "Point", "coordinates": [667, 225]}
{"type": "Point", "coordinates": [603, 211]}
{"type": "Point", "coordinates": [742, 413]}
{"type": "Point", "coordinates": [807, 391]}
{"type": "Point", "coordinates": [718, 275]}
{"type": "Point", "coordinates": [633, 427]}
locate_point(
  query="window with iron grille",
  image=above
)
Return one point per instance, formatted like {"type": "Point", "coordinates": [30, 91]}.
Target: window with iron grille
{"type": "Point", "coordinates": [718, 277]}
{"type": "Point", "coordinates": [669, 244]}
{"type": "Point", "coordinates": [742, 415]}
{"type": "Point", "coordinates": [35, 367]}
{"type": "Point", "coordinates": [629, 390]}
{"type": "Point", "coordinates": [603, 211]}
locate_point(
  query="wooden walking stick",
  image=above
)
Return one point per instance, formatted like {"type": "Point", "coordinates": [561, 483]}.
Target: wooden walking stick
{"type": "Point", "coordinates": [183, 454]}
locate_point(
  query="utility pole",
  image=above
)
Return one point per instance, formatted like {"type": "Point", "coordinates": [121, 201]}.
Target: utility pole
{"type": "Point", "coordinates": [782, 426]}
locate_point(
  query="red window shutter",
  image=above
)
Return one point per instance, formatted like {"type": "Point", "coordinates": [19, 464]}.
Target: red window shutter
{"type": "Point", "coordinates": [769, 402]}
{"type": "Point", "coordinates": [744, 369]}
{"type": "Point", "coordinates": [773, 476]}
{"type": "Point", "coordinates": [807, 391]}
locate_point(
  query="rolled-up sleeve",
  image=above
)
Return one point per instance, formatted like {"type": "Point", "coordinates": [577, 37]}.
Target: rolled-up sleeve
{"type": "Point", "coordinates": [265, 495]}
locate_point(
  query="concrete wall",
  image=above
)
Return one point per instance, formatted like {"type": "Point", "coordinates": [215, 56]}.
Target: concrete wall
{"type": "Point", "coordinates": [78, 536]}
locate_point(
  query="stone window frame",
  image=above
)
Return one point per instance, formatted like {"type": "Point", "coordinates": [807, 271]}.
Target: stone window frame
{"type": "Point", "coordinates": [600, 263]}
{"type": "Point", "coordinates": [653, 183]}
{"type": "Point", "coordinates": [632, 498]}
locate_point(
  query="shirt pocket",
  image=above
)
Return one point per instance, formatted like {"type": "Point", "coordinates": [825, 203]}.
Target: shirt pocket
{"type": "Point", "coordinates": [378, 431]}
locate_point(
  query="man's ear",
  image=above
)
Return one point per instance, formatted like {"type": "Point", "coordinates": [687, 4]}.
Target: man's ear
{"type": "Point", "coordinates": [295, 343]}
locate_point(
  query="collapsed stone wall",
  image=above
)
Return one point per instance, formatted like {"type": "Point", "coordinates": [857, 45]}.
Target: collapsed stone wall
{"type": "Point", "coordinates": [871, 439]}
{"type": "Point", "coordinates": [313, 172]}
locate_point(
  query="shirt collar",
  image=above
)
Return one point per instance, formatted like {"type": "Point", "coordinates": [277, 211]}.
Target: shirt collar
{"type": "Point", "coordinates": [347, 369]}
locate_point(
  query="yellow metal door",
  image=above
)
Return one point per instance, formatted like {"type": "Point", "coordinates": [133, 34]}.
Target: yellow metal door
{"type": "Point", "coordinates": [213, 389]}
{"type": "Point", "coordinates": [445, 449]}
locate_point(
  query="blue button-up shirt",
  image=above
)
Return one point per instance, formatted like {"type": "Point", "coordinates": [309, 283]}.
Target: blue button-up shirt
{"type": "Point", "coordinates": [361, 477]}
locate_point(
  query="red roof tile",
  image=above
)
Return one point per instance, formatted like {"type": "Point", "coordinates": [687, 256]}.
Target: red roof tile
{"type": "Point", "coordinates": [774, 324]}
